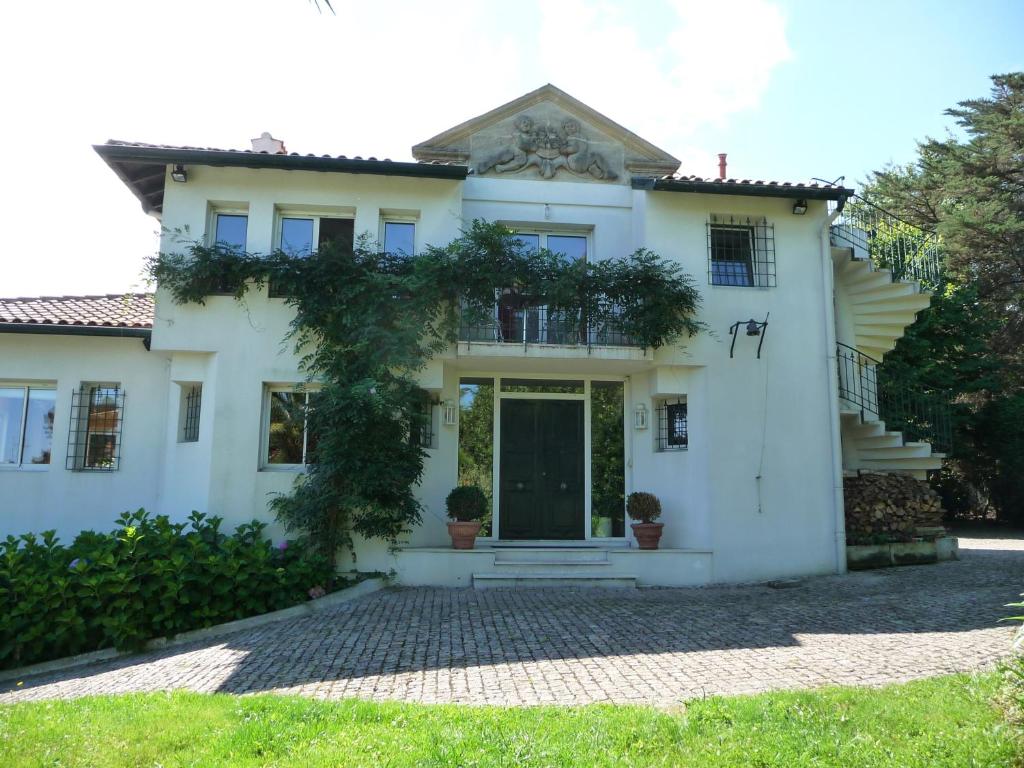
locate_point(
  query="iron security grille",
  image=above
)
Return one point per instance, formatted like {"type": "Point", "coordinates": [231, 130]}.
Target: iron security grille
{"type": "Point", "coordinates": [193, 406]}
{"type": "Point", "coordinates": [673, 432]}
{"type": "Point", "coordinates": [94, 436]}
{"type": "Point", "coordinates": [741, 252]}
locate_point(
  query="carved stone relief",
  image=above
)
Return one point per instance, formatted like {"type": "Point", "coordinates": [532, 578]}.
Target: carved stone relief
{"type": "Point", "coordinates": [549, 145]}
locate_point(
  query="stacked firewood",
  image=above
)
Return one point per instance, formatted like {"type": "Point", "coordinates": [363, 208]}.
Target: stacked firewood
{"type": "Point", "coordinates": [889, 507]}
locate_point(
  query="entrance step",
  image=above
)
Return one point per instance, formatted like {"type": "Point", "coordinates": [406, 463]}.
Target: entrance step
{"type": "Point", "coordinates": [561, 579]}
{"type": "Point", "coordinates": [551, 555]}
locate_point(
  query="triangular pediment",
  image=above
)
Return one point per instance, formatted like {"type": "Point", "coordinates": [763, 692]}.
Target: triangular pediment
{"type": "Point", "coordinates": [547, 134]}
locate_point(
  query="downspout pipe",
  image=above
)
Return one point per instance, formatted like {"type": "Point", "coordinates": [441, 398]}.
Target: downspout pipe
{"type": "Point", "coordinates": [832, 371]}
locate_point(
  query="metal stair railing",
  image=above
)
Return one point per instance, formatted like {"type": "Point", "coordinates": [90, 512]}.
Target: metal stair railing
{"type": "Point", "coordinates": [920, 416]}
{"type": "Point", "coordinates": [911, 253]}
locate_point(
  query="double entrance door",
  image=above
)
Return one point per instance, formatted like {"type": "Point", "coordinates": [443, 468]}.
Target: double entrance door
{"type": "Point", "coordinates": [541, 494]}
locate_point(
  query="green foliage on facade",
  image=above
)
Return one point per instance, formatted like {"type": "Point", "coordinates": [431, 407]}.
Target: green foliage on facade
{"type": "Point", "coordinates": [966, 345]}
{"type": "Point", "coordinates": [365, 322]}
{"type": "Point", "coordinates": [147, 578]}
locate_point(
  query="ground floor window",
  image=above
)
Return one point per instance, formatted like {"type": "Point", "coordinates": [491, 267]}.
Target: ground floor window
{"type": "Point", "coordinates": [476, 439]}
{"type": "Point", "coordinates": [607, 460]}
{"type": "Point", "coordinates": [287, 443]}
{"type": "Point", "coordinates": [94, 434]}
{"type": "Point", "coordinates": [26, 425]}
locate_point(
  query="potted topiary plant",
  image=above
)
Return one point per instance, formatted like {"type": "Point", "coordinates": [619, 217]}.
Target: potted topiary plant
{"type": "Point", "coordinates": [467, 506]}
{"type": "Point", "coordinates": [645, 508]}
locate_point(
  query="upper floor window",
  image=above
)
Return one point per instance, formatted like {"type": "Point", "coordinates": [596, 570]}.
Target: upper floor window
{"type": "Point", "coordinates": [741, 251]}
{"type": "Point", "coordinates": [400, 237]}
{"type": "Point", "coordinates": [230, 231]}
{"type": "Point", "coordinates": [26, 425]}
{"type": "Point", "coordinates": [572, 247]}
{"type": "Point", "coordinates": [298, 234]}
{"type": "Point", "coordinates": [94, 435]}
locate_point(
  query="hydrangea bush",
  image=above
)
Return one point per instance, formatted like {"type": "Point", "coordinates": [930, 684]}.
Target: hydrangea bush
{"type": "Point", "coordinates": [147, 578]}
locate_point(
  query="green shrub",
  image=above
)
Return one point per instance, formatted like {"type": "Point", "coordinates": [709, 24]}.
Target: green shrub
{"type": "Point", "coordinates": [643, 506]}
{"type": "Point", "coordinates": [147, 578]}
{"type": "Point", "coordinates": [467, 503]}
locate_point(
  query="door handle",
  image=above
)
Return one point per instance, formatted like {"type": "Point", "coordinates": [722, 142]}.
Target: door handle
{"type": "Point", "coordinates": [562, 485]}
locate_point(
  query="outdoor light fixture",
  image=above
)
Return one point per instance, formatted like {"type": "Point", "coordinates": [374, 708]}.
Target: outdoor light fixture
{"type": "Point", "coordinates": [179, 174]}
{"type": "Point", "coordinates": [449, 413]}
{"type": "Point", "coordinates": [754, 328]}
{"type": "Point", "coordinates": [800, 207]}
{"type": "Point", "coordinates": [640, 416]}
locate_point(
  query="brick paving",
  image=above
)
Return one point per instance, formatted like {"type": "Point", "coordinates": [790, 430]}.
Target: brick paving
{"type": "Point", "coordinates": [564, 646]}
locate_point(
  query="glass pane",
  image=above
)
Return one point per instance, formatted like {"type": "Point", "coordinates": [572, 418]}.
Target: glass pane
{"type": "Point", "coordinates": [572, 247]}
{"type": "Point", "coordinates": [231, 231]}
{"type": "Point", "coordinates": [339, 231]}
{"type": "Point", "coordinates": [102, 428]}
{"type": "Point", "coordinates": [731, 256]}
{"type": "Point", "coordinates": [284, 444]}
{"type": "Point", "coordinates": [552, 386]}
{"type": "Point", "coordinates": [400, 237]}
{"type": "Point", "coordinates": [297, 236]}
{"type": "Point", "coordinates": [677, 432]}
{"type": "Point", "coordinates": [476, 439]}
{"type": "Point", "coordinates": [39, 427]}
{"type": "Point", "coordinates": [529, 242]}
{"type": "Point", "coordinates": [12, 406]}
{"type": "Point", "coordinates": [607, 460]}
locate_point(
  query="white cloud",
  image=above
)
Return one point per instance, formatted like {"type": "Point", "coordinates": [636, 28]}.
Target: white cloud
{"type": "Point", "coordinates": [372, 80]}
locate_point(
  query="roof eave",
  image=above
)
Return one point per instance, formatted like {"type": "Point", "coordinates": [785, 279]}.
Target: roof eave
{"type": "Point", "coordinates": [62, 329]}
{"type": "Point", "coordinates": [748, 190]}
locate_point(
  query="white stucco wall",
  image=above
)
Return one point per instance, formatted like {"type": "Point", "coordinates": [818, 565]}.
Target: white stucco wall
{"type": "Point", "coordinates": [748, 418]}
{"type": "Point", "coordinates": [69, 501]}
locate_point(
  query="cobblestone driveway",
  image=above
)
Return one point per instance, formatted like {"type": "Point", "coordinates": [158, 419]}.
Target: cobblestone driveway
{"type": "Point", "coordinates": [657, 646]}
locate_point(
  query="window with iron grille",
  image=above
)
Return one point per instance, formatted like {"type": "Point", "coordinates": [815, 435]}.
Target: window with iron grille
{"type": "Point", "coordinates": [94, 436]}
{"type": "Point", "coordinates": [673, 432]}
{"type": "Point", "coordinates": [741, 251]}
{"type": "Point", "coordinates": [189, 409]}
{"type": "Point", "coordinates": [424, 433]}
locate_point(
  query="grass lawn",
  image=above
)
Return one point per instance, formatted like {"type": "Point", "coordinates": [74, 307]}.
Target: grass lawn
{"type": "Point", "coordinates": [946, 721]}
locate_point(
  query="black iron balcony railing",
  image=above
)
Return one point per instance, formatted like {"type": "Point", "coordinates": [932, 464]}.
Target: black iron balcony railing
{"type": "Point", "coordinates": [518, 319]}
{"type": "Point", "coordinates": [919, 416]}
{"type": "Point", "coordinates": [911, 253]}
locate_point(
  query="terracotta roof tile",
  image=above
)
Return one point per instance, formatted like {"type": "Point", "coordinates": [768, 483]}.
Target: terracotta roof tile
{"type": "Point", "coordinates": [113, 310]}
{"type": "Point", "coordinates": [742, 182]}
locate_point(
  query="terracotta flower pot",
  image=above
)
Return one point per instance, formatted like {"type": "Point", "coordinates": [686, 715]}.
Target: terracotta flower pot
{"type": "Point", "coordinates": [647, 534]}
{"type": "Point", "coordinates": [463, 533]}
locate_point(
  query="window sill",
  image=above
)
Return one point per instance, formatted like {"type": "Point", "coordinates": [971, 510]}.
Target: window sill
{"type": "Point", "coordinates": [25, 468]}
{"type": "Point", "coordinates": [283, 468]}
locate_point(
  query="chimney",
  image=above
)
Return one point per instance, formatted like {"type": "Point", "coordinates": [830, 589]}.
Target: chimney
{"type": "Point", "coordinates": [267, 143]}
{"type": "Point", "coordinates": [721, 165]}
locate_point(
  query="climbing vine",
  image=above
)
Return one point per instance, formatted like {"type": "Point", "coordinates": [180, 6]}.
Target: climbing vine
{"type": "Point", "coordinates": [365, 322]}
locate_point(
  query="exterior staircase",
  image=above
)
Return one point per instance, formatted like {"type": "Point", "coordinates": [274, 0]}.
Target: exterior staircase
{"type": "Point", "coordinates": [552, 567]}
{"type": "Point", "coordinates": [881, 307]}
{"type": "Point", "coordinates": [884, 269]}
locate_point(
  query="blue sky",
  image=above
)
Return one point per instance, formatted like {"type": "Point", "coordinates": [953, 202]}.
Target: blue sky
{"type": "Point", "coordinates": [790, 89]}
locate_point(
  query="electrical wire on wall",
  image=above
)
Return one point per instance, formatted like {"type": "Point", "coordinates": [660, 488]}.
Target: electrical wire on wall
{"type": "Point", "coordinates": [764, 438]}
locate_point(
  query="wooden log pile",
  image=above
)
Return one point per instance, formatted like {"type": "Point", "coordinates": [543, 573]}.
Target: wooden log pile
{"type": "Point", "coordinates": [888, 508]}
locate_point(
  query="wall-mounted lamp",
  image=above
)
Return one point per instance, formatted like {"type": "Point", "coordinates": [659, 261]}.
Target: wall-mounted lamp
{"type": "Point", "coordinates": [800, 207]}
{"type": "Point", "coordinates": [179, 174]}
{"type": "Point", "coordinates": [754, 328]}
{"type": "Point", "coordinates": [449, 413]}
{"type": "Point", "coordinates": [640, 416]}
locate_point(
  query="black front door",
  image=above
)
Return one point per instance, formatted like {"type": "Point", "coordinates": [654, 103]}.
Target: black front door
{"type": "Point", "coordinates": [541, 493]}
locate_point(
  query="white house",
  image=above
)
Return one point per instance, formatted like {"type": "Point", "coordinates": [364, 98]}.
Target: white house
{"type": "Point", "coordinates": [118, 402]}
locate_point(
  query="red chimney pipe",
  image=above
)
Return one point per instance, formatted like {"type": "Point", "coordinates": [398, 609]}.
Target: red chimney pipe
{"type": "Point", "coordinates": [721, 165]}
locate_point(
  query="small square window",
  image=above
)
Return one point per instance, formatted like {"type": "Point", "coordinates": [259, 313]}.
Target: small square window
{"type": "Point", "coordinates": [741, 252]}
{"type": "Point", "coordinates": [673, 428]}
{"type": "Point", "coordinates": [400, 238]}
{"type": "Point", "coordinates": [94, 436]}
{"type": "Point", "coordinates": [230, 231]}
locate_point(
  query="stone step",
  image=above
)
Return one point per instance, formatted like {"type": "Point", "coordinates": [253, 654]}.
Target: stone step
{"type": "Point", "coordinates": [568, 567]}
{"type": "Point", "coordinates": [560, 579]}
{"type": "Point", "coordinates": [569, 555]}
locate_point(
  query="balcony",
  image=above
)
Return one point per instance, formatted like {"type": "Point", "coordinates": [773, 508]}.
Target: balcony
{"type": "Point", "coordinates": [518, 326]}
